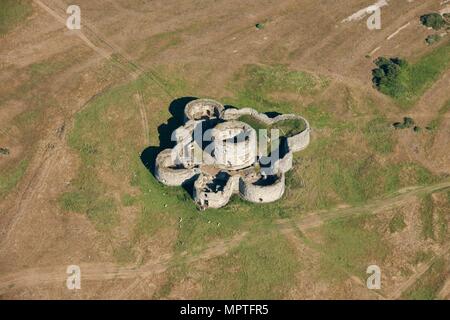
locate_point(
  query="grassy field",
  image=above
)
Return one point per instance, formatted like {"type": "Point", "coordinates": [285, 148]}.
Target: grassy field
{"type": "Point", "coordinates": [40, 104]}
{"type": "Point", "coordinates": [13, 12]}
{"type": "Point", "coordinates": [258, 269]}
{"type": "Point", "coordinates": [435, 123]}
{"type": "Point", "coordinates": [426, 217]}
{"type": "Point", "coordinates": [11, 177]}
{"type": "Point", "coordinates": [338, 170]}
{"type": "Point", "coordinates": [427, 287]}
{"type": "Point", "coordinates": [104, 136]}
{"type": "Point", "coordinates": [94, 139]}
{"type": "Point", "coordinates": [348, 247]}
{"type": "Point", "coordinates": [112, 176]}
{"type": "Point", "coordinates": [255, 85]}
{"type": "Point", "coordinates": [414, 79]}
{"type": "Point", "coordinates": [397, 223]}
{"type": "Point", "coordinates": [379, 135]}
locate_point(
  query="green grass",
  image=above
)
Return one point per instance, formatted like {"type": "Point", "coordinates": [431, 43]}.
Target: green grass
{"type": "Point", "coordinates": [86, 198]}
{"type": "Point", "coordinates": [442, 221]}
{"type": "Point", "coordinates": [254, 123]}
{"type": "Point", "coordinates": [12, 12]}
{"type": "Point", "coordinates": [397, 223]}
{"type": "Point", "coordinates": [161, 42]}
{"type": "Point", "coordinates": [428, 286]}
{"type": "Point", "coordinates": [338, 170]}
{"type": "Point", "coordinates": [93, 138]}
{"type": "Point", "coordinates": [417, 77]}
{"type": "Point", "coordinates": [379, 135]}
{"type": "Point", "coordinates": [436, 122]}
{"type": "Point", "coordinates": [128, 200]}
{"type": "Point", "coordinates": [107, 138]}
{"type": "Point", "coordinates": [10, 178]}
{"type": "Point", "coordinates": [422, 256]}
{"type": "Point", "coordinates": [262, 267]}
{"type": "Point", "coordinates": [256, 83]}
{"type": "Point", "coordinates": [348, 248]}
{"type": "Point", "coordinates": [124, 254]}
{"type": "Point", "coordinates": [319, 117]}
{"type": "Point", "coordinates": [426, 217]}
{"type": "Point", "coordinates": [28, 118]}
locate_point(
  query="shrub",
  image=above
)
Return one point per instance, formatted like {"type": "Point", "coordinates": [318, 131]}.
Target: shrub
{"type": "Point", "coordinates": [407, 123]}
{"type": "Point", "coordinates": [4, 151]}
{"type": "Point", "coordinates": [398, 125]}
{"type": "Point", "coordinates": [432, 39]}
{"type": "Point", "coordinates": [386, 76]}
{"type": "Point", "coordinates": [433, 20]}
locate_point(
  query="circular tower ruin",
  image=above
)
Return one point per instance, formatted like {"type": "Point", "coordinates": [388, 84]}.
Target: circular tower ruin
{"type": "Point", "coordinates": [235, 145]}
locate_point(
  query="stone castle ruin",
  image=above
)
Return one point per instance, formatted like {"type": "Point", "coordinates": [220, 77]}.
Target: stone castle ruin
{"type": "Point", "coordinates": [221, 153]}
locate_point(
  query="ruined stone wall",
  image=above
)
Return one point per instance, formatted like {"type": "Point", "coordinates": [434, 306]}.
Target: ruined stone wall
{"type": "Point", "coordinates": [210, 199]}
{"type": "Point", "coordinates": [262, 193]}
{"type": "Point", "coordinates": [233, 114]}
{"type": "Point", "coordinates": [247, 182]}
{"type": "Point", "coordinates": [300, 141]}
{"type": "Point", "coordinates": [296, 143]}
{"type": "Point", "coordinates": [231, 154]}
{"type": "Point", "coordinates": [203, 108]}
{"type": "Point", "coordinates": [168, 174]}
{"type": "Point", "coordinates": [284, 164]}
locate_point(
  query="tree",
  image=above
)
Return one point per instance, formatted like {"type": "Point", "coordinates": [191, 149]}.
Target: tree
{"type": "Point", "coordinates": [433, 20]}
{"type": "Point", "coordinates": [386, 76]}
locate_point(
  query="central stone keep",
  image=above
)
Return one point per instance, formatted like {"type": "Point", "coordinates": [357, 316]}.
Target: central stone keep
{"type": "Point", "coordinates": [234, 145]}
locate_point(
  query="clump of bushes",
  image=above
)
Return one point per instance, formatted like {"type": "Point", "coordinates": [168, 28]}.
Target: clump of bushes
{"type": "Point", "coordinates": [4, 151]}
{"type": "Point", "coordinates": [386, 76]}
{"type": "Point", "coordinates": [406, 124]}
{"type": "Point", "coordinates": [432, 39]}
{"type": "Point", "coordinates": [259, 26]}
{"type": "Point", "coordinates": [433, 20]}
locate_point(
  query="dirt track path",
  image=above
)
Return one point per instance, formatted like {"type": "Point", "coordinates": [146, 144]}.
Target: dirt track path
{"type": "Point", "coordinates": [420, 272]}
{"type": "Point", "coordinates": [109, 271]}
{"type": "Point", "coordinates": [316, 219]}
{"type": "Point", "coordinates": [139, 98]}
{"type": "Point", "coordinates": [46, 159]}
{"type": "Point", "coordinates": [445, 291]}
